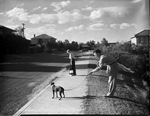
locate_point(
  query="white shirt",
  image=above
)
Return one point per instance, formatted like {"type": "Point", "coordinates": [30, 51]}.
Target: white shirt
{"type": "Point", "coordinates": [71, 56]}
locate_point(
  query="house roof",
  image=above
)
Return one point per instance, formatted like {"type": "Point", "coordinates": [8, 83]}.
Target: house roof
{"type": "Point", "coordinates": [3, 27]}
{"type": "Point", "coordinates": [43, 36]}
{"type": "Point", "coordinates": [132, 37]}
{"type": "Point", "coordinates": [143, 33]}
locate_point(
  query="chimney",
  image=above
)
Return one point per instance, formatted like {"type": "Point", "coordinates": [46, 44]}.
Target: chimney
{"type": "Point", "coordinates": [34, 35]}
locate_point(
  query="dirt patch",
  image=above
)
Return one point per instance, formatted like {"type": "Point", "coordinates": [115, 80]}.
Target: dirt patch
{"type": "Point", "coordinates": [124, 102]}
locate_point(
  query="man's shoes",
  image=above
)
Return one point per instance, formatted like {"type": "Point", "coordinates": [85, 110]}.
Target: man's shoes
{"type": "Point", "coordinates": [72, 74]}
{"type": "Point", "coordinates": [108, 95]}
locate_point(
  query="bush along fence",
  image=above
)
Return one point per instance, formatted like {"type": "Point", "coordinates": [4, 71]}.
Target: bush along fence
{"type": "Point", "coordinates": [134, 57]}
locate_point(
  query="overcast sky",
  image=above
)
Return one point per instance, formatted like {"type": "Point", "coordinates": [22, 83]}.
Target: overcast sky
{"type": "Point", "coordinates": [77, 20]}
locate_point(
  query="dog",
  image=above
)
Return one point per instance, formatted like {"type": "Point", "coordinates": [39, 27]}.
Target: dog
{"type": "Point", "coordinates": [56, 89]}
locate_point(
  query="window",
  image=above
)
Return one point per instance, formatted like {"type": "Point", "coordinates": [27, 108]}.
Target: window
{"type": "Point", "coordinates": [141, 40]}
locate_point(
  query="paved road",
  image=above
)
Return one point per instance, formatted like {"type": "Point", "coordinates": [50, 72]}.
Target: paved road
{"type": "Point", "coordinates": [72, 104]}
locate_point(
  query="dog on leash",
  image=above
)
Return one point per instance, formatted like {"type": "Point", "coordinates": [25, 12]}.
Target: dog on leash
{"type": "Point", "coordinates": [56, 89]}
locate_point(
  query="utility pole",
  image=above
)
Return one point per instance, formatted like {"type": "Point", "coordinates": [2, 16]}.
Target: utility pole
{"type": "Point", "coordinates": [23, 30]}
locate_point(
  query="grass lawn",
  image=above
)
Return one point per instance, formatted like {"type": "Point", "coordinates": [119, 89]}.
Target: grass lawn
{"type": "Point", "coordinates": [125, 102]}
{"type": "Point", "coordinates": [23, 76]}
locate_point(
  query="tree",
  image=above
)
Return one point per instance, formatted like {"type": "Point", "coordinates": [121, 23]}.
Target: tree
{"type": "Point", "coordinates": [80, 46]}
{"type": "Point", "coordinates": [19, 31]}
{"type": "Point", "coordinates": [91, 43]}
{"type": "Point", "coordinates": [104, 42]}
{"type": "Point", "coordinates": [74, 45]}
{"type": "Point", "coordinates": [66, 41]}
{"type": "Point", "coordinates": [97, 44]}
{"type": "Point", "coordinates": [66, 44]}
{"type": "Point", "coordinates": [13, 44]}
{"type": "Point", "coordinates": [60, 45]}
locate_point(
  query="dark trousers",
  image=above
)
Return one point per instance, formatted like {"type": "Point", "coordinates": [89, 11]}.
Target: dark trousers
{"type": "Point", "coordinates": [73, 67]}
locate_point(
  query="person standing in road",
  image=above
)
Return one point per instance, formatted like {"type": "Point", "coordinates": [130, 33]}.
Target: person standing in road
{"type": "Point", "coordinates": [112, 70]}
{"type": "Point", "coordinates": [72, 63]}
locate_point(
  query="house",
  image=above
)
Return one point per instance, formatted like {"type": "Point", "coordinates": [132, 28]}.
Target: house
{"type": "Point", "coordinates": [141, 38]}
{"type": "Point", "coordinates": [134, 40]}
{"type": "Point", "coordinates": [42, 39]}
{"type": "Point", "coordinates": [112, 43]}
{"type": "Point", "coordinates": [5, 30]}
{"type": "Point", "coordinates": [85, 47]}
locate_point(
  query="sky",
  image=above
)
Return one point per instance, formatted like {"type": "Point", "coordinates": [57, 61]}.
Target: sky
{"type": "Point", "coordinates": [77, 20]}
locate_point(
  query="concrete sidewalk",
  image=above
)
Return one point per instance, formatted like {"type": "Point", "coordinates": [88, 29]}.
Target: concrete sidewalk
{"type": "Point", "coordinates": [72, 104]}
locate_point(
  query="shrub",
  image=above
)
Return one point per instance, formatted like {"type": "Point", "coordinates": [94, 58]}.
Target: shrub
{"type": "Point", "coordinates": [13, 44]}
{"type": "Point", "coordinates": [135, 58]}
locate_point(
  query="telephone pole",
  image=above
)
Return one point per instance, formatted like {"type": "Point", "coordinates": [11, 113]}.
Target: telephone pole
{"type": "Point", "coordinates": [23, 30]}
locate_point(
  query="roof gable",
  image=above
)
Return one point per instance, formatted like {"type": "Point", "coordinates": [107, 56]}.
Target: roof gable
{"type": "Point", "coordinates": [43, 36]}
{"type": "Point", "coordinates": [143, 33]}
{"type": "Point", "coordinates": [4, 27]}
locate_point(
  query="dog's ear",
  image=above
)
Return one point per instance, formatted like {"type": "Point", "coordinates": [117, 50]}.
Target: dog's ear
{"type": "Point", "coordinates": [56, 77]}
{"type": "Point", "coordinates": [52, 83]}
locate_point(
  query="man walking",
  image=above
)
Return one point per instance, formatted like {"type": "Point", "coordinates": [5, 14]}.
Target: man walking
{"type": "Point", "coordinates": [112, 70]}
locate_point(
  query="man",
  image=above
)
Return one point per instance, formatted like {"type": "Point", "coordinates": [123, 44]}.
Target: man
{"type": "Point", "coordinates": [112, 70]}
{"type": "Point", "coordinates": [72, 63]}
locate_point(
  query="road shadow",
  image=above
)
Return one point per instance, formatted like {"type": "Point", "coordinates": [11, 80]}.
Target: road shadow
{"type": "Point", "coordinates": [79, 55]}
{"type": "Point", "coordinates": [83, 66]}
{"type": "Point", "coordinates": [93, 75]}
{"type": "Point", "coordinates": [43, 58]}
{"type": "Point", "coordinates": [80, 59]}
{"type": "Point", "coordinates": [83, 97]}
{"type": "Point", "coordinates": [28, 67]}
{"type": "Point", "coordinates": [8, 77]}
{"type": "Point", "coordinates": [86, 66]}
{"type": "Point", "coordinates": [100, 97]}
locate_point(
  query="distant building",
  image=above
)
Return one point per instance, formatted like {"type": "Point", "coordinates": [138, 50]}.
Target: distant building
{"type": "Point", "coordinates": [5, 30]}
{"type": "Point", "coordinates": [112, 44]}
{"type": "Point", "coordinates": [134, 40]}
{"type": "Point", "coordinates": [85, 47]}
{"type": "Point", "coordinates": [141, 38]}
{"type": "Point", "coordinates": [42, 39]}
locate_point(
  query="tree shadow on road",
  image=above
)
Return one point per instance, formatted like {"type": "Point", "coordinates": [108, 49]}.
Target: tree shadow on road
{"type": "Point", "coordinates": [28, 67]}
{"type": "Point", "coordinates": [100, 97]}
{"type": "Point", "coordinates": [10, 77]}
{"type": "Point", "coordinates": [115, 97]}
{"type": "Point", "coordinates": [83, 97]}
{"type": "Point", "coordinates": [93, 75]}
{"type": "Point", "coordinates": [80, 59]}
{"type": "Point", "coordinates": [40, 58]}
{"type": "Point", "coordinates": [83, 66]}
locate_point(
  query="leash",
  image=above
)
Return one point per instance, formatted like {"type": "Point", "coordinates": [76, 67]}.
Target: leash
{"type": "Point", "coordinates": [78, 85]}
{"type": "Point", "coordinates": [84, 79]}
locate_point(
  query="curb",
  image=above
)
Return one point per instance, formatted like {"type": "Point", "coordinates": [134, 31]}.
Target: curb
{"type": "Point", "coordinates": [32, 100]}
{"type": "Point", "coordinates": [18, 113]}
